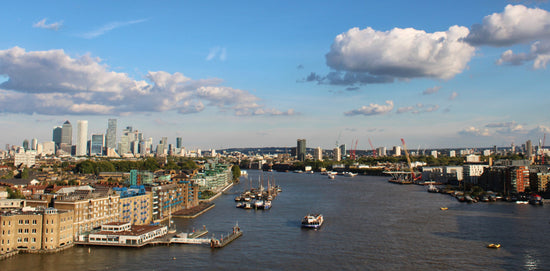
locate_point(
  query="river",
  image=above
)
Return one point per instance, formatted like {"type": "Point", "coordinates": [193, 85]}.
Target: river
{"type": "Point", "coordinates": [370, 224]}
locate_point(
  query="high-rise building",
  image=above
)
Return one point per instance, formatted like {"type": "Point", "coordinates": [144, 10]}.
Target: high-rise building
{"type": "Point", "coordinates": [337, 156]}
{"type": "Point", "coordinates": [34, 144]}
{"type": "Point", "coordinates": [97, 144]}
{"type": "Point", "coordinates": [343, 150]}
{"type": "Point", "coordinates": [397, 150]}
{"type": "Point", "coordinates": [26, 145]}
{"type": "Point", "coordinates": [318, 154]}
{"type": "Point", "coordinates": [528, 149]}
{"type": "Point", "coordinates": [178, 142]}
{"type": "Point", "coordinates": [56, 137]}
{"type": "Point", "coordinates": [301, 149]}
{"type": "Point", "coordinates": [82, 138]}
{"type": "Point", "coordinates": [67, 133]}
{"type": "Point", "coordinates": [110, 137]}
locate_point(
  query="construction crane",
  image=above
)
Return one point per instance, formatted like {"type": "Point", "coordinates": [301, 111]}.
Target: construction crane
{"type": "Point", "coordinates": [373, 149]}
{"type": "Point", "coordinates": [542, 149]}
{"type": "Point", "coordinates": [408, 159]}
{"type": "Point", "coordinates": [353, 149]}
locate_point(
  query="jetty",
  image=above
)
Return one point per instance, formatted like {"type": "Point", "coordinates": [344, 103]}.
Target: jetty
{"type": "Point", "coordinates": [191, 238]}
{"type": "Point", "coordinates": [222, 242]}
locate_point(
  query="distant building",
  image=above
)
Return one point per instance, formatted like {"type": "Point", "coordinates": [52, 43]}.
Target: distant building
{"type": "Point", "coordinates": [528, 149]}
{"type": "Point", "coordinates": [518, 179]}
{"type": "Point", "coordinates": [486, 152]}
{"type": "Point", "coordinates": [82, 138]}
{"type": "Point", "coordinates": [318, 154]}
{"type": "Point", "coordinates": [434, 153]}
{"type": "Point", "coordinates": [343, 150]}
{"type": "Point", "coordinates": [25, 159]}
{"type": "Point", "coordinates": [48, 148]}
{"type": "Point", "coordinates": [397, 150]}
{"type": "Point", "coordinates": [472, 158]}
{"type": "Point", "coordinates": [336, 155]}
{"type": "Point", "coordinates": [539, 181]}
{"type": "Point", "coordinates": [56, 137]}
{"type": "Point", "coordinates": [110, 137]}
{"type": "Point", "coordinates": [452, 153]}
{"type": "Point", "coordinates": [301, 149]}
{"type": "Point", "coordinates": [472, 172]}
{"type": "Point", "coordinates": [66, 134]}
{"type": "Point", "coordinates": [179, 141]}
{"type": "Point", "coordinates": [97, 144]}
{"type": "Point", "coordinates": [34, 144]}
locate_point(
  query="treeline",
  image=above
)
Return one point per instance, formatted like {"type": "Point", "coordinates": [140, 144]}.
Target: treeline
{"type": "Point", "coordinates": [149, 164]}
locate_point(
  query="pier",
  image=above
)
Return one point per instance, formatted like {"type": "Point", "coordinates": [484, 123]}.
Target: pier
{"type": "Point", "coordinates": [222, 242]}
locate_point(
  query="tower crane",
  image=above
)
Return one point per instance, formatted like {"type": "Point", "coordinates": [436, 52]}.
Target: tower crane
{"type": "Point", "coordinates": [373, 149]}
{"type": "Point", "coordinates": [408, 159]}
{"type": "Point", "coordinates": [542, 149]}
{"type": "Point", "coordinates": [354, 148]}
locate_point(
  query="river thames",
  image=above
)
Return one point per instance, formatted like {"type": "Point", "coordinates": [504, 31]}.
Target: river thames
{"type": "Point", "coordinates": [370, 224]}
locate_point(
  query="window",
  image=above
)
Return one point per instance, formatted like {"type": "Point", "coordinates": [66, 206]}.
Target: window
{"type": "Point", "coordinates": [19, 240]}
{"type": "Point", "coordinates": [33, 230]}
{"type": "Point", "coordinates": [19, 230]}
{"type": "Point", "coordinates": [26, 230]}
{"type": "Point", "coordinates": [26, 240]}
{"type": "Point", "coordinates": [34, 221]}
{"type": "Point", "coordinates": [27, 222]}
{"type": "Point", "coordinates": [20, 221]}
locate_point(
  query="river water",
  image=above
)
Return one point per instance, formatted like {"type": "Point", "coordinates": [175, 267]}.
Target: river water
{"type": "Point", "coordinates": [370, 224]}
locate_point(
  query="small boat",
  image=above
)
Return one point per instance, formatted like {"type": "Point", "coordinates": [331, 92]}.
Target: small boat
{"type": "Point", "coordinates": [350, 174]}
{"type": "Point", "coordinates": [312, 221]}
{"type": "Point", "coordinates": [267, 205]}
{"type": "Point", "coordinates": [259, 204]}
{"type": "Point", "coordinates": [248, 205]}
{"type": "Point", "coordinates": [493, 246]}
{"type": "Point", "coordinates": [432, 188]}
{"type": "Point", "coordinates": [240, 205]}
{"type": "Point", "coordinates": [330, 176]}
{"type": "Point", "coordinates": [444, 208]}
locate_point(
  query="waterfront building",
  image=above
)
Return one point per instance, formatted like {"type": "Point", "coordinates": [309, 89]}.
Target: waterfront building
{"type": "Point", "coordinates": [173, 197]}
{"type": "Point", "coordinates": [518, 179]}
{"type": "Point", "coordinates": [443, 174]}
{"type": "Point", "coordinates": [472, 172]}
{"type": "Point", "coordinates": [121, 233]}
{"type": "Point", "coordinates": [318, 154]}
{"type": "Point", "coordinates": [494, 179]}
{"type": "Point", "coordinates": [213, 177]}
{"type": "Point", "coordinates": [301, 149]}
{"type": "Point", "coordinates": [91, 209]}
{"type": "Point", "coordinates": [336, 155]}
{"type": "Point", "coordinates": [34, 229]}
{"type": "Point", "coordinates": [539, 181]}
{"type": "Point", "coordinates": [110, 137]}
{"type": "Point", "coordinates": [82, 138]}
{"type": "Point", "coordinates": [97, 144]}
{"type": "Point", "coordinates": [136, 205]}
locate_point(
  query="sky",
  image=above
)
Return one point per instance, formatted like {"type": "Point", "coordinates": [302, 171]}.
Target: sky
{"type": "Point", "coordinates": [222, 74]}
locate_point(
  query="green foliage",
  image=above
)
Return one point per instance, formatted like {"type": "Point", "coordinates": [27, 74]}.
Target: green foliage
{"type": "Point", "coordinates": [14, 193]}
{"type": "Point", "coordinates": [236, 170]}
{"type": "Point", "coordinates": [206, 194]}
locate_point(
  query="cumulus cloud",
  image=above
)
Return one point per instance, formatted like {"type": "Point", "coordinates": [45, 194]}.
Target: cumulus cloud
{"type": "Point", "coordinates": [53, 83]}
{"type": "Point", "coordinates": [219, 52]}
{"type": "Point", "coordinates": [108, 27]}
{"type": "Point", "coordinates": [431, 90]}
{"type": "Point", "coordinates": [52, 26]}
{"type": "Point", "coordinates": [473, 131]}
{"type": "Point", "coordinates": [419, 108]}
{"type": "Point", "coordinates": [401, 53]}
{"type": "Point", "coordinates": [517, 24]}
{"type": "Point", "coordinates": [372, 109]}
{"type": "Point", "coordinates": [539, 54]}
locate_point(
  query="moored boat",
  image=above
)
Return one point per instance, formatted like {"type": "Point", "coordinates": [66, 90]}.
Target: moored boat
{"type": "Point", "coordinates": [312, 221]}
{"type": "Point", "coordinates": [493, 246]}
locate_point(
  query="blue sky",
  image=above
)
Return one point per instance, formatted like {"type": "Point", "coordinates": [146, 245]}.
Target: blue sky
{"type": "Point", "coordinates": [263, 73]}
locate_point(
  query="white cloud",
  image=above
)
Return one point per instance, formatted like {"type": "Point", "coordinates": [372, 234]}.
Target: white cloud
{"type": "Point", "coordinates": [517, 24]}
{"type": "Point", "coordinates": [219, 52]}
{"type": "Point", "coordinates": [453, 95]}
{"type": "Point", "coordinates": [539, 54]}
{"type": "Point", "coordinates": [53, 83]}
{"type": "Point", "coordinates": [108, 27]}
{"type": "Point", "coordinates": [401, 53]}
{"type": "Point", "coordinates": [53, 26]}
{"type": "Point", "coordinates": [431, 90]}
{"type": "Point", "coordinates": [473, 131]}
{"type": "Point", "coordinates": [419, 108]}
{"type": "Point", "coordinates": [372, 109]}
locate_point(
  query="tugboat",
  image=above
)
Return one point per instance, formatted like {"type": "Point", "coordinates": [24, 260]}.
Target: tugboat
{"type": "Point", "coordinates": [535, 200]}
{"type": "Point", "coordinates": [312, 221]}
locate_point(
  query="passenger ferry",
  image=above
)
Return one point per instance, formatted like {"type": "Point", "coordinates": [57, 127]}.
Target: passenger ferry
{"type": "Point", "coordinates": [312, 221]}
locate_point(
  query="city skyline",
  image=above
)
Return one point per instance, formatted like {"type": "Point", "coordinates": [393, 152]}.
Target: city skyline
{"type": "Point", "coordinates": [263, 74]}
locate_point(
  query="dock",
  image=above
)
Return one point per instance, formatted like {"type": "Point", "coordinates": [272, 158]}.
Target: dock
{"type": "Point", "coordinates": [222, 242]}
{"type": "Point", "coordinates": [191, 238]}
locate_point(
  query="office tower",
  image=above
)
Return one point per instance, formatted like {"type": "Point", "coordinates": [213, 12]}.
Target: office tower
{"type": "Point", "coordinates": [97, 144]}
{"type": "Point", "coordinates": [110, 137]}
{"type": "Point", "coordinates": [178, 142]}
{"type": "Point", "coordinates": [337, 156]}
{"type": "Point", "coordinates": [528, 149]}
{"type": "Point", "coordinates": [301, 149]}
{"type": "Point", "coordinates": [67, 133]}
{"type": "Point", "coordinates": [397, 150]}
{"type": "Point", "coordinates": [124, 144]}
{"type": "Point", "coordinates": [343, 150]}
{"type": "Point", "coordinates": [82, 138]}
{"type": "Point", "coordinates": [34, 144]}
{"type": "Point", "coordinates": [26, 145]}
{"type": "Point", "coordinates": [318, 154]}
{"type": "Point", "coordinates": [56, 137]}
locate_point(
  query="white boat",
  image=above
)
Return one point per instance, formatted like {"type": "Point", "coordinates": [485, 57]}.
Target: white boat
{"type": "Point", "coordinates": [312, 221]}
{"type": "Point", "coordinates": [267, 205]}
{"type": "Point", "coordinates": [330, 176]}
{"type": "Point", "coordinates": [350, 174]}
{"type": "Point", "coordinates": [259, 204]}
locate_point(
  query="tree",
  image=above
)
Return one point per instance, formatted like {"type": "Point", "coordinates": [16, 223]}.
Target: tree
{"type": "Point", "coordinates": [236, 170]}
{"type": "Point", "coordinates": [14, 193]}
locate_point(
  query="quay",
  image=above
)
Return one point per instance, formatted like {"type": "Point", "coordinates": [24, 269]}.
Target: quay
{"type": "Point", "coordinates": [222, 242]}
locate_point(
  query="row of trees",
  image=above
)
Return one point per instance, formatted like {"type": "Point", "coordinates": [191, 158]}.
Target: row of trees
{"type": "Point", "coordinates": [149, 164]}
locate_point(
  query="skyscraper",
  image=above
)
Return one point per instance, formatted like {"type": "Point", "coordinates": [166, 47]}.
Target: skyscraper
{"type": "Point", "coordinates": [67, 133]}
{"type": "Point", "coordinates": [528, 149]}
{"type": "Point", "coordinates": [56, 137]}
{"type": "Point", "coordinates": [82, 138]}
{"type": "Point", "coordinates": [110, 137]}
{"type": "Point", "coordinates": [301, 149]}
{"type": "Point", "coordinates": [97, 144]}
{"type": "Point", "coordinates": [178, 142]}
